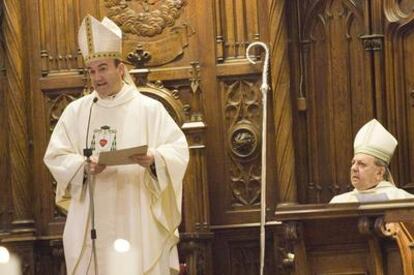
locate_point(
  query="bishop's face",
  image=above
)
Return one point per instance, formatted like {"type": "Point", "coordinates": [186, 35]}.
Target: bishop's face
{"type": "Point", "coordinates": [106, 77]}
{"type": "Point", "coordinates": [365, 174]}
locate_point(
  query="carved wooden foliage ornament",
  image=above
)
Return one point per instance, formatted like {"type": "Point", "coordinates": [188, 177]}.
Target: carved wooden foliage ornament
{"type": "Point", "coordinates": [56, 107]}
{"type": "Point", "coordinates": [242, 113]}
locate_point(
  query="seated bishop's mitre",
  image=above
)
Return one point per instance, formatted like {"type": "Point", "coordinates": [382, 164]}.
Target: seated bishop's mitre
{"type": "Point", "coordinates": [373, 139]}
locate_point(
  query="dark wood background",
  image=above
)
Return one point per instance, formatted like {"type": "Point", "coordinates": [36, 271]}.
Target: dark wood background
{"type": "Point", "coordinates": [335, 64]}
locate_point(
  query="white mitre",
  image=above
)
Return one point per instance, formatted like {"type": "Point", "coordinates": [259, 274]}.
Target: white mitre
{"type": "Point", "coordinates": [99, 40]}
{"type": "Point", "coordinates": [373, 139]}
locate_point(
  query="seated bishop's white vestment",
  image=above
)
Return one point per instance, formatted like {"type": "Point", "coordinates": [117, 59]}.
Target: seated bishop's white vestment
{"type": "Point", "coordinates": [384, 191]}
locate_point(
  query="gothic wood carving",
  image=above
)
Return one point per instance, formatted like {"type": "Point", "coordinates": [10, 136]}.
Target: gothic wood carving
{"type": "Point", "coordinates": [338, 89]}
{"type": "Point", "coordinates": [242, 112]}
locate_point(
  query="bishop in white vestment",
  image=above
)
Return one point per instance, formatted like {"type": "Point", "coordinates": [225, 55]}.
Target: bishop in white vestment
{"type": "Point", "coordinates": [373, 149]}
{"type": "Point", "coordinates": [132, 202]}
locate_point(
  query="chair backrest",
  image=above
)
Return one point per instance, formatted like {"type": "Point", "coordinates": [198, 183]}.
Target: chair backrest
{"type": "Point", "coordinates": [170, 100]}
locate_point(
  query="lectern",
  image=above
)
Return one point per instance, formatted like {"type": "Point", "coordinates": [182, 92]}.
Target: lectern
{"type": "Point", "coordinates": [348, 239]}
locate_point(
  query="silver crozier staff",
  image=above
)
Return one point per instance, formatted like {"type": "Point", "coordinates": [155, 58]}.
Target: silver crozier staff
{"type": "Point", "coordinates": [264, 88]}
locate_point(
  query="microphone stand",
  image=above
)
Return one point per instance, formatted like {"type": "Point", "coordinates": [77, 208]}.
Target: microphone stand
{"type": "Point", "coordinates": [87, 152]}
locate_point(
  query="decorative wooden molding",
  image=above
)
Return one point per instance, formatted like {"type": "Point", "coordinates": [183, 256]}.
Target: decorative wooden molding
{"type": "Point", "coordinates": [58, 24]}
{"type": "Point", "coordinates": [296, 256]}
{"type": "Point", "coordinates": [4, 136]}
{"type": "Point", "coordinates": [374, 227]}
{"type": "Point", "coordinates": [196, 250]}
{"type": "Point", "coordinates": [402, 233]}
{"type": "Point", "coordinates": [16, 98]}
{"type": "Point", "coordinates": [282, 105]}
{"type": "Point", "coordinates": [196, 213]}
{"type": "Point", "coordinates": [165, 49]}
{"type": "Point", "coordinates": [139, 58]}
{"type": "Point", "coordinates": [373, 42]}
{"type": "Point", "coordinates": [170, 99]}
{"type": "Point", "coordinates": [237, 24]}
{"type": "Point", "coordinates": [393, 11]}
{"type": "Point", "coordinates": [58, 103]}
{"type": "Point", "coordinates": [197, 99]}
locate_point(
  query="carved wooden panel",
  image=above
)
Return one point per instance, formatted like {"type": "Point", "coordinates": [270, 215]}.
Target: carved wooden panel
{"type": "Point", "coordinates": [59, 23]}
{"type": "Point", "coordinates": [230, 90]}
{"type": "Point", "coordinates": [4, 188]}
{"type": "Point", "coordinates": [161, 28]}
{"type": "Point", "coordinates": [237, 252]}
{"type": "Point", "coordinates": [405, 97]}
{"type": "Point", "coordinates": [237, 25]}
{"type": "Point", "coordinates": [236, 196]}
{"type": "Point", "coordinates": [282, 103]}
{"type": "Point", "coordinates": [399, 75]}
{"type": "Point", "coordinates": [242, 116]}
{"type": "Point", "coordinates": [337, 92]}
{"type": "Point", "coordinates": [49, 258]}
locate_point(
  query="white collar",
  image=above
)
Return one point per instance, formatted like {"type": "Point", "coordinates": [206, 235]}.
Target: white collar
{"type": "Point", "coordinates": [124, 95]}
{"type": "Point", "coordinates": [380, 185]}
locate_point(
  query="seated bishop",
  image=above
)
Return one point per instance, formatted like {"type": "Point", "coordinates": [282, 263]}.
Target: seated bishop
{"type": "Point", "coordinates": [370, 174]}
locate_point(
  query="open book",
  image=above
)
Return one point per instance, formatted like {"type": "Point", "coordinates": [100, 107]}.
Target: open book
{"type": "Point", "coordinates": [121, 157]}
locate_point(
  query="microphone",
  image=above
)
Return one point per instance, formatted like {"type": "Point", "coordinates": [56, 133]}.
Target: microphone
{"type": "Point", "coordinates": [87, 152]}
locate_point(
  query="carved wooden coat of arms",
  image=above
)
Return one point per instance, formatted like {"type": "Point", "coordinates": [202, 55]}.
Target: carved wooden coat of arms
{"type": "Point", "coordinates": [151, 25]}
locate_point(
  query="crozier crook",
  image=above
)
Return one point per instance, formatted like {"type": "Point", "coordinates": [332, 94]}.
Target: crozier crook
{"type": "Point", "coordinates": [264, 89]}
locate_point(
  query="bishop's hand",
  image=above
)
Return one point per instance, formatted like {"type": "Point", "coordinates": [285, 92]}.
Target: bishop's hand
{"type": "Point", "coordinates": [92, 166]}
{"type": "Point", "coordinates": [144, 160]}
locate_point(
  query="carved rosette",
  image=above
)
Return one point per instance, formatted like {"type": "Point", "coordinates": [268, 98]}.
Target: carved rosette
{"type": "Point", "coordinates": [242, 115]}
{"type": "Point", "coordinates": [244, 141]}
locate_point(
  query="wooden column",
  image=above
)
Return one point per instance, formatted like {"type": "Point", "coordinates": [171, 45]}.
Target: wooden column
{"type": "Point", "coordinates": [195, 242]}
{"type": "Point", "coordinates": [285, 158]}
{"type": "Point", "coordinates": [4, 191]}
{"type": "Point", "coordinates": [16, 100]}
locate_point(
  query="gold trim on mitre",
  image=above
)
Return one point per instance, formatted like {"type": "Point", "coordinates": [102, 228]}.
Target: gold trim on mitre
{"type": "Point", "coordinates": [373, 139]}
{"type": "Point", "coordinates": [89, 34]}
{"type": "Point", "coordinates": [99, 56]}
{"type": "Point", "coordinates": [99, 40]}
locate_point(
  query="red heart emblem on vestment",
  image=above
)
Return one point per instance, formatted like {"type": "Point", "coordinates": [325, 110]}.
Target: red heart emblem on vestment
{"type": "Point", "coordinates": [103, 142]}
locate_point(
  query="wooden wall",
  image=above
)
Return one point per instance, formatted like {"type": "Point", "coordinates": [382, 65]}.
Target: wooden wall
{"type": "Point", "coordinates": [335, 64]}
{"type": "Point", "coordinates": [352, 57]}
